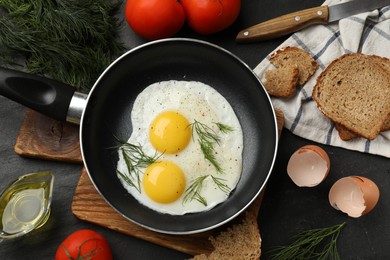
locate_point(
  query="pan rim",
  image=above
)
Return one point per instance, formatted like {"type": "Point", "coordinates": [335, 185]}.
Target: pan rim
{"type": "Point", "coordinates": [275, 132]}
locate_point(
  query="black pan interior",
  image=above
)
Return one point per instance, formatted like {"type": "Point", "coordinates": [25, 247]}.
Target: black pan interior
{"type": "Point", "coordinates": [108, 115]}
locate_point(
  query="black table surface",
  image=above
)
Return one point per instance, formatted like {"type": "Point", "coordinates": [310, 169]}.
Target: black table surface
{"type": "Point", "coordinates": [286, 209]}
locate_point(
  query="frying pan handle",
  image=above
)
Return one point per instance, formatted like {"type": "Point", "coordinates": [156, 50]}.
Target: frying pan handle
{"type": "Point", "coordinates": [44, 95]}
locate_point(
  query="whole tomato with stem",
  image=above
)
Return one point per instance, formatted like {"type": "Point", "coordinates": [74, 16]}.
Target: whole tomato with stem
{"type": "Point", "coordinates": [155, 19]}
{"type": "Point", "coordinates": [84, 244]}
{"type": "Point", "coordinates": [210, 16]}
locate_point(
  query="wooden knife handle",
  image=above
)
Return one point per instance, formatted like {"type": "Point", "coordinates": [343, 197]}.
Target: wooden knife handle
{"type": "Point", "coordinates": [284, 25]}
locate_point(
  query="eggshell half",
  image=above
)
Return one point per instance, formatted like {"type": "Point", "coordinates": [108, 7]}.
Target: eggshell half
{"type": "Point", "coordinates": [308, 166]}
{"type": "Point", "coordinates": [354, 195]}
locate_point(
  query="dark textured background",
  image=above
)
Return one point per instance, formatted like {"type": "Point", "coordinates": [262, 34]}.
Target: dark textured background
{"type": "Point", "coordinates": [286, 208]}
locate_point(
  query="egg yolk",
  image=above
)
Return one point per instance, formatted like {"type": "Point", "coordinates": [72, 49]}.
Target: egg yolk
{"type": "Point", "coordinates": [164, 182]}
{"type": "Point", "coordinates": [170, 132]}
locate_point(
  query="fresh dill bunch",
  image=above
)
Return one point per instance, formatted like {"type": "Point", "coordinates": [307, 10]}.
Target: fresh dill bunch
{"type": "Point", "coordinates": [306, 245]}
{"type": "Point", "coordinates": [194, 190]}
{"type": "Point", "coordinates": [71, 41]}
{"type": "Point", "coordinates": [208, 138]}
{"type": "Point", "coordinates": [135, 159]}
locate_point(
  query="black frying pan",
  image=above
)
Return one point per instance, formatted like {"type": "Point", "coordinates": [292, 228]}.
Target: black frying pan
{"type": "Point", "coordinates": [106, 113]}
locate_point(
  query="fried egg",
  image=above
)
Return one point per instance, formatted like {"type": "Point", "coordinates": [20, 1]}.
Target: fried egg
{"type": "Point", "coordinates": [184, 154]}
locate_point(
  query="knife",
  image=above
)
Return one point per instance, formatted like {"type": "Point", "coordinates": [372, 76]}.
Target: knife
{"type": "Point", "coordinates": [296, 21]}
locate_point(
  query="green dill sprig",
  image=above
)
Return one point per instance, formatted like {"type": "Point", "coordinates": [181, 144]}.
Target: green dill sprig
{"type": "Point", "coordinates": [224, 128]}
{"type": "Point", "coordinates": [306, 244]}
{"type": "Point", "coordinates": [222, 186]}
{"type": "Point", "coordinates": [207, 138]}
{"type": "Point", "coordinates": [194, 190]}
{"type": "Point", "coordinates": [135, 183]}
{"type": "Point", "coordinates": [135, 159]}
{"type": "Point", "coordinates": [71, 41]}
{"type": "Point", "coordinates": [137, 156]}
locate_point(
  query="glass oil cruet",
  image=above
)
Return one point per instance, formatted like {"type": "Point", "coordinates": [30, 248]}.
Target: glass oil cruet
{"type": "Point", "coordinates": [25, 204]}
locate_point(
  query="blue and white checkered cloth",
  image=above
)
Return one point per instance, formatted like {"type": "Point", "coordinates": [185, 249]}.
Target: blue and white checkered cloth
{"type": "Point", "coordinates": [366, 33]}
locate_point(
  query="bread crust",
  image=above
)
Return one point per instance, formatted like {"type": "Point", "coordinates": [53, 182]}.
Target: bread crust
{"type": "Point", "coordinates": [291, 56]}
{"type": "Point", "coordinates": [281, 82]}
{"type": "Point", "coordinates": [353, 91]}
{"type": "Point", "coordinates": [241, 241]}
{"type": "Point", "coordinates": [294, 67]}
{"type": "Point", "coordinates": [347, 135]}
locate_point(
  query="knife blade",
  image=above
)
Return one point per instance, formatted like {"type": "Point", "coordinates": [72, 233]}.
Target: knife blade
{"type": "Point", "coordinates": [296, 21]}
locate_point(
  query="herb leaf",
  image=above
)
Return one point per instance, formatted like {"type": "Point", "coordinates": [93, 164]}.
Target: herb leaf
{"type": "Point", "coordinates": [71, 41]}
{"type": "Point", "coordinates": [135, 158]}
{"type": "Point", "coordinates": [306, 243]}
{"type": "Point", "coordinates": [130, 181]}
{"type": "Point", "coordinates": [222, 186]}
{"type": "Point", "coordinates": [207, 149]}
{"type": "Point", "coordinates": [207, 138]}
{"type": "Point", "coordinates": [193, 191]}
{"type": "Point", "coordinates": [224, 128]}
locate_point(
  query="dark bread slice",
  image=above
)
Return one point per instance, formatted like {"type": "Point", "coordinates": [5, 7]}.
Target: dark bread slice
{"type": "Point", "coordinates": [281, 82]}
{"type": "Point", "coordinates": [344, 133]}
{"type": "Point", "coordinates": [295, 57]}
{"type": "Point", "coordinates": [386, 125]}
{"type": "Point", "coordinates": [347, 135]}
{"type": "Point", "coordinates": [241, 241]}
{"type": "Point", "coordinates": [354, 91]}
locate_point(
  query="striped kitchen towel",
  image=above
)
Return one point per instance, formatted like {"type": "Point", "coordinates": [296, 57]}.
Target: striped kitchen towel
{"type": "Point", "coordinates": [367, 33]}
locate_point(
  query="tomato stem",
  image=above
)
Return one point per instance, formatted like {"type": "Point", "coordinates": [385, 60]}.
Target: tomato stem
{"type": "Point", "coordinates": [88, 255]}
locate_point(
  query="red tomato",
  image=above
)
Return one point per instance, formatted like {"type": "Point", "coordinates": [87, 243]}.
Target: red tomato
{"type": "Point", "coordinates": [210, 16]}
{"type": "Point", "coordinates": [84, 244]}
{"type": "Point", "coordinates": [155, 19]}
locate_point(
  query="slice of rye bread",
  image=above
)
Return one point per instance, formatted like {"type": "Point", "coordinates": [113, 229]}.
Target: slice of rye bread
{"type": "Point", "coordinates": [291, 56]}
{"type": "Point", "coordinates": [354, 91]}
{"type": "Point", "coordinates": [347, 135]}
{"type": "Point", "coordinates": [281, 82]}
{"type": "Point", "coordinates": [241, 241]}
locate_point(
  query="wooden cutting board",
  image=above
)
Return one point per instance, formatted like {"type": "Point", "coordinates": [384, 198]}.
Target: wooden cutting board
{"type": "Point", "coordinates": [88, 205]}
{"type": "Point", "coordinates": [45, 138]}
{"type": "Point", "coordinates": [42, 137]}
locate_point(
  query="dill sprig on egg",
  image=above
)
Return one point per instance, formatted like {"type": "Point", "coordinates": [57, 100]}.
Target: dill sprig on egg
{"type": "Point", "coordinates": [207, 138]}
{"type": "Point", "coordinates": [135, 158]}
{"type": "Point", "coordinates": [193, 191]}
{"type": "Point", "coordinates": [224, 128]}
{"type": "Point", "coordinates": [222, 186]}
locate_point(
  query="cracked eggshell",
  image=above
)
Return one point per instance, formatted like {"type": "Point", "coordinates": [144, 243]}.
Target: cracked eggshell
{"type": "Point", "coordinates": [354, 195]}
{"type": "Point", "coordinates": [308, 166]}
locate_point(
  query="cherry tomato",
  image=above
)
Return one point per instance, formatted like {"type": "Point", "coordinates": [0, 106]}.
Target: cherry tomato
{"type": "Point", "coordinates": [210, 16]}
{"type": "Point", "coordinates": [84, 244]}
{"type": "Point", "coordinates": [155, 19]}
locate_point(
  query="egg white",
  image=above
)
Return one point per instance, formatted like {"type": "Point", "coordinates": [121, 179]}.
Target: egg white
{"type": "Point", "coordinates": [195, 101]}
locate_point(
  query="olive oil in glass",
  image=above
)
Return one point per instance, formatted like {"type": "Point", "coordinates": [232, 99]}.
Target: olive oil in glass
{"type": "Point", "coordinates": [25, 204]}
